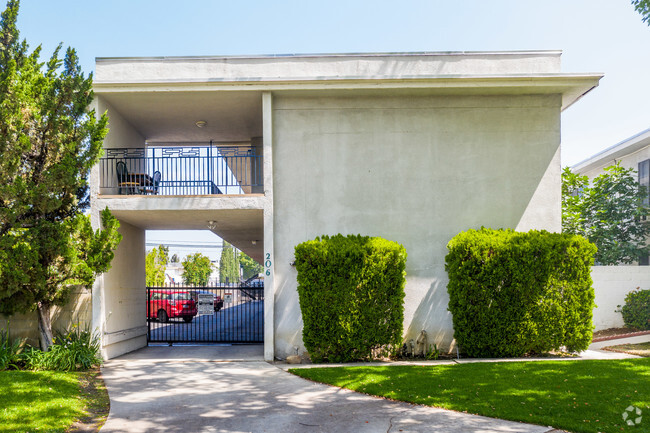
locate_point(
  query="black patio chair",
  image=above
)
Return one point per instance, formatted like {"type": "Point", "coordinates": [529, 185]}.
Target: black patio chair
{"type": "Point", "coordinates": [155, 184]}
{"type": "Point", "coordinates": [123, 180]}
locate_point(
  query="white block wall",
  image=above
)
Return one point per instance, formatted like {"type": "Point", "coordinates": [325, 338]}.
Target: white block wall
{"type": "Point", "coordinates": [611, 284]}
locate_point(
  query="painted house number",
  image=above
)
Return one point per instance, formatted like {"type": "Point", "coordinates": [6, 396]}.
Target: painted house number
{"type": "Point", "coordinates": [267, 264]}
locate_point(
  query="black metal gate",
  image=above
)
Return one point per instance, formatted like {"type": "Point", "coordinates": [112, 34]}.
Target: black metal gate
{"type": "Point", "coordinates": [217, 314]}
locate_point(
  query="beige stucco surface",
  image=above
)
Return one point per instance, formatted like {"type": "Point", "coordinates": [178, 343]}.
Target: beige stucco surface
{"type": "Point", "coordinates": [333, 66]}
{"type": "Point", "coordinates": [76, 312]}
{"type": "Point", "coordinates": [123, 321]}
{"type": "Point", "coordinates": [413, 170]}
{"type": "Point", "coordinates": [121, 132]}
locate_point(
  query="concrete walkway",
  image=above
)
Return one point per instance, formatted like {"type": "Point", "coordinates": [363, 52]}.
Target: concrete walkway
{"type": "Point", "coordinates": [231, 389]}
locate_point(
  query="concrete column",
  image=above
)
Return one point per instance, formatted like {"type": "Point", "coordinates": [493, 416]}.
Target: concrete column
{"type": "Point", "coordinates": [123, 307]}
{"type": "Point", "coordinates": [269, 256]}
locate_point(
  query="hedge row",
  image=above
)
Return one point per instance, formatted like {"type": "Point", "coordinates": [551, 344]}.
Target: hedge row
{"type": "Point", "coordinates": [515, 293]}
{"type": "Point", "coordinates": [351, 292]}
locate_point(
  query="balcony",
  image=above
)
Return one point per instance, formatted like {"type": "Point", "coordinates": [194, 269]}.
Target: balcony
{"type": "Point", "coordinates": [194, 169]}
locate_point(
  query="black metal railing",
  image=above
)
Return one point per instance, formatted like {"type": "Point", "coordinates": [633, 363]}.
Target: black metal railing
{"type": "Point", "coordinates": [181, 170]}
{"type": "Point", "coordinates": [216, 314]}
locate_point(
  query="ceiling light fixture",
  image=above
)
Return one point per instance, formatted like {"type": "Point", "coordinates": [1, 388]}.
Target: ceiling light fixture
{"type": "Point", "coordinates": [201, 123]}
{"type": "Point", "coordinates": [254, 242]}
{"type": "Point", "coordinates": [212, 225]}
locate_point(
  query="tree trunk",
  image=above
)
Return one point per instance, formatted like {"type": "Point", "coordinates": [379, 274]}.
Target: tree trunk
{"type": "Point", "coordinates": [45, 326]}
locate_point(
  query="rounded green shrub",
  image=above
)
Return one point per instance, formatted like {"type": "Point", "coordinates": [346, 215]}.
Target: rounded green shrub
{"type": "Point", "coordinates": [513, 293]}
{"type": "Point", "coordinates": [351, 292]}
{"type": "Point", "coordinates": [636, 311]}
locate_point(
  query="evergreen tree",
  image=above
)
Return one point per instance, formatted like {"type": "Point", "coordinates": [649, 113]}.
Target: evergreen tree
{"type": "Point", "coordinates": [48, 143]}
{"type": "Point", "coordinates": [228, 265]}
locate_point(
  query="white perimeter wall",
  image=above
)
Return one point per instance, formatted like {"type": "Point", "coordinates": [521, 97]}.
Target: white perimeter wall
{"type": "Point", "coordinates": [611, 284]}
{"type": "Point", "coordinates": [415, 170]}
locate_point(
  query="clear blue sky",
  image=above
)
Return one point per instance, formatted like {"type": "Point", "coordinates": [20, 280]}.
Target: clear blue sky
{"type": "Point", "coordinates": [595, 35]}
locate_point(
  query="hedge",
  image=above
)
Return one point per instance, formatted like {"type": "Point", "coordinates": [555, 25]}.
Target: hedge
{"type": "Point", "coordinates": [636, 311]}
{"type": "Point", "coordinates": [351, 292]}
{"type": "Point", "coordinates": [513, 293]}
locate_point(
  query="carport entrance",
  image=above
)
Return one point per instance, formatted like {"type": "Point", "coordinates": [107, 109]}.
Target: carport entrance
{"type": "Point", "coordinates": [217, 314]}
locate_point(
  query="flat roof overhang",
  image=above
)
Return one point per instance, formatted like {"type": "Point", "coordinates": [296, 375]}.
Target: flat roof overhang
{"type": "Point", "coordinates": [571, 86]}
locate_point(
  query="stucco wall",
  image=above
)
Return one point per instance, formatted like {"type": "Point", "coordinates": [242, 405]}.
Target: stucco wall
{"type": "Point", "coordinates": [611, 284]}
{"type": "Point", "coordinates": [76, 312]}
{"type": "Point", "coordinates": [415, 170]}
{"type": "Point", "coordinates": [124, 321]}
{"type": "Point", "coordinates": [121, 132]}
{"type": "Point", "coordinates": [330, 66]}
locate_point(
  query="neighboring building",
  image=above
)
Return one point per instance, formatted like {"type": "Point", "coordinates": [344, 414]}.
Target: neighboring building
{"type": "Point", "coordinates": [633, 152]}
{"type": "Point", "coordinates": [271, 151]}
{"type": "Point", "coordinates": [174, 273]}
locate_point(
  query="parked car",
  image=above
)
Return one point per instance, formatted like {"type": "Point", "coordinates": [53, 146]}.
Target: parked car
{"type": "Point", "coordinates": [217, 301]}
{"type": "Point", "coordinates": [167, 304]}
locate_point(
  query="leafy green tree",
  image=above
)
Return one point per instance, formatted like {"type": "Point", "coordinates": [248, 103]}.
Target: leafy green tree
{"type": "Point", "coordinates": [228, 265]}
{"type": "Point", "coordinates": [643, 7]}
{"type": "Point", "coordinates": [250, 267]}
{"type": "Point", "coordinates": [156, 265]}
{"type": "Point", "coordinates": [197, 269]}
{"type": "Point", "coordinates": [48, 143]}
{"type": "Point", "coordinates": [609, 212]}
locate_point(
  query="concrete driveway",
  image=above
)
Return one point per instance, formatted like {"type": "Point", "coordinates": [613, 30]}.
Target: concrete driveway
{"type": "Point", "coordinates": [183, 389]}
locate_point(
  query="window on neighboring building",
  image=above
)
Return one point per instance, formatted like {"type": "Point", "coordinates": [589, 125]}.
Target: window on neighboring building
{"type": "Point", "coordinates": [644, 180]}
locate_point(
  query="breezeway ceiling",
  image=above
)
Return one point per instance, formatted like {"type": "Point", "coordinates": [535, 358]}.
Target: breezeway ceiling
{"type": "Point", "coordinates": [171, 116]}
{"type": "Point", "coordinates": [240, 227]}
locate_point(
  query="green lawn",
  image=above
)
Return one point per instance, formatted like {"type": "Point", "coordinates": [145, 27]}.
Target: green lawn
{"type": "Point", "coordinates": [39, 401]}
{"type": "Point", "coordinates": [579, 396]}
